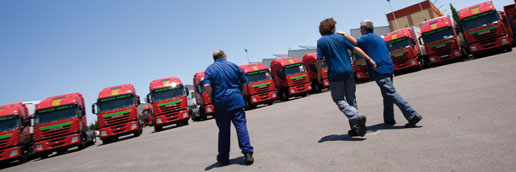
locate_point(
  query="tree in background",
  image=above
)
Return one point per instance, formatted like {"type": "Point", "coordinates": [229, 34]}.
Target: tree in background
{"type": "Point", "coordinates": [94, 126]}
{"type": "Point", "coordinates": [455, 15]}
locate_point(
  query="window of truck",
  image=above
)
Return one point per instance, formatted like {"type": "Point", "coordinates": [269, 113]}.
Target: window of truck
{"type": "Point", "coordinates": [294, 69]}
{"type": "Point", "coordinates": [9, 122]}
{"type": "Point", "coordinates": [398, 44]}
{"type": "Point", "coordinates": [258, 76]}
{"type": "Point", "coordinates": [116, 102]}
{"type": "Point", "coordinates": [479, 20]}
{"type": "Point", "coordinates": [167, 93]}
{"type": "Point", "coordinates": [55, 114]}
{"type": "Point", "coordinates": [437, 34]}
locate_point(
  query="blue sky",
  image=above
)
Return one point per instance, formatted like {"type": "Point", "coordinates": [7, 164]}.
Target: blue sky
{"type": "Point", "coordinates": [55, 47]}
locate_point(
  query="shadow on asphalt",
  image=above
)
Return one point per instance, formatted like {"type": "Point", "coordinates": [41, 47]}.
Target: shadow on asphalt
{"type": "Point", "coordinates": [239, 161]}
{"type": "Point", "coordinates": [340, 137]}
{"type": "Point", "coordinates": [382, 126]}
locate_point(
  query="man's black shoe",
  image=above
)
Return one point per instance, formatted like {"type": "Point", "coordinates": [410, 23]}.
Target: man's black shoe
{"type": "Point", "coordinates": [353, 132]}
{"type": "Point", "coordinates": [390, 123]}
{"type": "Point", "coordinates": [361, 125]}
{"type": "Point", "coordinates": [248, 158]}
{"type": "Point", "coordinates": [222, 161]}
{"type": "Point", "coordinates": [412, 123]}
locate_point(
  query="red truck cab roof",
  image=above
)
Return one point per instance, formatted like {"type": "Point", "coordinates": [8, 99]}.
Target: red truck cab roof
{"type": "Point", "coordinates": [15, 108]}
{"type": "Point", "coordinates": [398, 34]}
{"type": "Point", "coordinates": [476, 9]}
{"type": "Point", "coordinates": [165, 82]}
{"type": "Point", "coordinates": [200, 76]}
{"type": "Point", "coordinates": [253, 67]}
{"type": "Point", "coordinates": [285, 61]}
{"type": "Point", "coordinates": [435, 24]}
{"type": "Point", "coordinates": [116, 90]}
{"type": "Point", "coordinates": [72, 98]}
{"type": "Point", "coordinates": [310, 58]}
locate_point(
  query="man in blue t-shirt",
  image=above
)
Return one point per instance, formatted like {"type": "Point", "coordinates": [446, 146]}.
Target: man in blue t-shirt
{"type": "Point", "coordinates": [224, 83]}
{"type": "Point", "coordinates": [334, 48]}
{"type": "Point", "coordinates": [375, 47]}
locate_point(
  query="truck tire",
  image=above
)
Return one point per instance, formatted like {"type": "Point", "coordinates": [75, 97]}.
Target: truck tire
{"type": "Point", "coordinates": [247, 105]}
{"type": "Point", "coordinates": [93, 141]}
{"type": "Point", "coordinates": [185, 123]}
{"type": "Point", "coordinates": [106, 141]}
{"type": "Point", "coordinates": [137, 133]}
{"type": "Point", "coordinates": [82, 145]}
{"type": "Point", "coordinates": [316, 88]}
{"type": "Point", "coordinates": [43, 156]}
{"type": "Point", "coordinates": [158, 128]}
{"type": "Point", "coordinates": [283, 95]}
{"type": "Point", "coordinates": [509, 49]}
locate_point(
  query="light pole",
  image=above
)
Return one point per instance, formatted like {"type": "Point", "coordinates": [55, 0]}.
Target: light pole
{"type": "Point", "coordinates": [397, 27]}
{"type": "Point", "coordinates": [247, 56]}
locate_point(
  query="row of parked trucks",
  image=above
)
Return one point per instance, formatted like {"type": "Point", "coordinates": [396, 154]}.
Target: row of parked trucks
{"type": "Point", "coordinates": [59, 123]}
{"type": "Point", "coordinates": [481, 29]}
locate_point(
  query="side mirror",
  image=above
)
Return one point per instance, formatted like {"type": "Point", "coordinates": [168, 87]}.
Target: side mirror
{"type": "Point", "coordinates": [148, 99]}
{"type": "Point", "coordinates": [187, 91]}
{"type": "Point", "coordinates": [420, 40]}
{"type": "Point", "coordinates": [27, 122]}
{"type": "Point", "coordinates": [138, 100]}
{"type": "Point", "coordinates": [81, 111]}
{"type": "Point", "coordinates": [412, 41]}
{"type": "Point", "coordinates": [93, 106]}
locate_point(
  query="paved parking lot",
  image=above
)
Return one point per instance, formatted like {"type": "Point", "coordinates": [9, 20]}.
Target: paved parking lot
{"type": "Point", "coordinates": [469, 122]}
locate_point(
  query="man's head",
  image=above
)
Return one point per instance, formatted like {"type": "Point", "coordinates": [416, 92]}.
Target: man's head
{"type": "Point", "coordinates": [327, 26]}
{"type": "Point", "coordinates": [218, 54]}
{"type": "Point", "coordinates": [366, 26]}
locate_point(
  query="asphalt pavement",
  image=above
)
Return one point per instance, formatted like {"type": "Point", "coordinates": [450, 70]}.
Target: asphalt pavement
{"type": "Point", "coordinates": [469, 111]}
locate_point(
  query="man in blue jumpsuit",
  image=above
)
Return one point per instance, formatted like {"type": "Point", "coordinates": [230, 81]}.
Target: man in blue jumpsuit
{"type": "Point", "coordinates": [225, 82]}
{"type": "Point", "coordinates": [334, 48]}
{"type": "Point", "coordinates": [375, 47]}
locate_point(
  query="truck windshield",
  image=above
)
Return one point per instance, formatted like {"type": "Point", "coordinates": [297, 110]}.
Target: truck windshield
{"type": "Point", "coordinates": [398, 44]}
{"type": "Point", "coordinates": [258, 76]}
{"type": "Point", "coordinates": [55, 114]}
{"type": "Point", "coordinates": [9, 122]}
{"type": "Point", "coordinates": [167, 93]}
{"type": "Point", "coordinates": [480, 20]}
{"type": "Point", "coordinates": [438, 34]}
{"type": "Point", "coordinates": [115, 102]}
{"type": "Point", "coordinates": [294, 69]}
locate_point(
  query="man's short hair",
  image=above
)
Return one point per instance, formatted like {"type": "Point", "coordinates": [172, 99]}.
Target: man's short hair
{"type": "Point", "coordinates": [327, 26]}
{"type": "Point", "coordinates": [218, 54]}
{"type": "Point", "coordinates": [367, 25]}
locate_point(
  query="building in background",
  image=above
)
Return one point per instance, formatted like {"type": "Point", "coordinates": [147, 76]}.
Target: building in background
{"type": "Point", "coordinates": [413, 15]}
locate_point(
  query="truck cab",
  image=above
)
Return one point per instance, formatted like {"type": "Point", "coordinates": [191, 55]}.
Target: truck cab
{"type": "Point", "coordinates": [148, 114]}
{"type": "Point", "coordinates": [309, 60]}
{"type": "Point", "coordinates": [405, 51]}
{"type": "Point", "coordinates": [15, 138]}
{"type": "Point", "coordinates": [441, 41]}
{"type": "Point", "coordinates": [203, 106]}
{"type": "Point", "coordinates": [483, 29]}
{"type": "Point", "coordinates": [168, 99]}
{"type": "Point", "coordinates": [290, 77]}
{"type": "Point", "coordinates": [359, 68]}
{"type": "Point", "coordinates": [117, 112]}
{"type": "Point", "coordinates": [260, 87]}
{"type": "Point", "coordinates": [510, 20]}
{"type": "Point", "coordinates": [59, 124]}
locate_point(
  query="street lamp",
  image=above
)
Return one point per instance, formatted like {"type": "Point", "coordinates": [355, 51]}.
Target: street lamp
{"type": "Point", "coordinates": [247, 56]}
{"type": "Point", "coordinates": [397, 27]}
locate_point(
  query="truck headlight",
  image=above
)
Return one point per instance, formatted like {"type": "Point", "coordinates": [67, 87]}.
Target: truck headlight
{"type": "Point", "coordinates": [103, 133]}
{"type": "Point", "coordinates": [457, 53]}
{"type": "Point", "coordinates": [292, 90]}
{"type": "Point", "coordinates": [13, 153]}
{"type": "Point", "coordinates": [253, 99]}
{"type": "Point", "coordinates": [75, 138]}
{"type": "Point", "coordinates": [309, 87]}
{"type": "Point", "coordinates": [159, 121]}
{"type": "Point", "coordinates": [208, 109]}
{"type": "Point", "coordinates": [273, 94]}
{"type": "Point", "coordinates": [432, 59]}
{"type": "Point", "coordinates": [326, 82]}
{"type": "Point", "coordinates": [412, 62]}
{"type": "Point", "coordinates": [185, 114]}
{"type": "Point", "coordinates": [504, 41]}
{"type": "Point", "coordinates": [358, 76]}
{"type": "Point", "coordinates": [39, 147]}
{"type": "Point", "coordinates": [473, 48]}
{"type": "Point", "coordinates": [133, 126]}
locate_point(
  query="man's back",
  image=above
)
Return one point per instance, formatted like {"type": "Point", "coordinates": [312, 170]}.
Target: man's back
{"type": "Point", "coordinates": [374, 46]}
{"type": "Point", "coordinates": [226, 79]}
{"type": "Point", "coordinates": [334, 48]}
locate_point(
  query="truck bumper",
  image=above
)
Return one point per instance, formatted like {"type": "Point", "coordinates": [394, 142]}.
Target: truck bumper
{"type": "Point", "coordinates": [298, 90]}
{"type": "Point", "coordinates": [165, 119]}
{"type": "Point", "coordinates": [362, 75]}
{"type": "Point", "coordinates": [454, 54]}
{"type": "Point", "coordinates": [128, 128]}
{"type": "Point", "coordinates": [501, 42]}
{"type": "Point", "coordinates": [262, 99]}
{"type": "Point", "coordinates": [9, 154]}
{"type": "Point", "coordinates": [61, 143]}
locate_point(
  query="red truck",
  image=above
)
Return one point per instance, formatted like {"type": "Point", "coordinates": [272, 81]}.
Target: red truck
{"type": "Point", "coordinates": [483, 29]}
{"type": "Point", "coordinates": [442, 43]}
{"type": "Point", "coordinates": [290, 77]}
{"type": "Point", "coordinates": [59, 124]}
{"type": "Point", "coordinates": [168, 99]}
{"type": "Point", "coordinates": [15, 137]}
{"type": "Point", "coordinates": [148, 114]}
{"type": "Point", "coordinates": [117, 112]}
{"type": "Point", "coordinates": [309, 60]}
{"type": "Point", "coordinates": [405, 49]}
{"type": "Point", "coordinates": [260, 88]}
{"type": "Point", "coordinates": [510, 20]}
{"type": "Point", "coordinates": [360, 68]}
{"type": "Point", "coordinates": [203, 106]}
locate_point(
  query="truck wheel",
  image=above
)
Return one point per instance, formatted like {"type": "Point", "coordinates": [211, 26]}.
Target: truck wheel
{"type": "Point", "coordinates": [270, 103]}
{"type": "Point", "coordinates": [185, 123]}
{"type": "Point", "coordinates": [420, 63]}
{"type": "Point", "coordinates": [137, 133]}
{"type": "Point", "coordinates": [43, 156]}
{"type": "Point", "coordinates": [106, 141]}
{"type": "Point", "coordinates": [248, 105]}
{"type": "Point", "coordinates": [82, 145]}
{"type": "Point", "coordinates": [158, 128]}
{"type": "Point", "coordinates": [316, 88]}
{"type": "Point", "coordinates": [93, 141]}
{"type": "Point", "coordinates": [62, 151]}
{"type": "Point", "coordinates": [283, 95]}
{"type": "Point", "coordinates": [509, 49]}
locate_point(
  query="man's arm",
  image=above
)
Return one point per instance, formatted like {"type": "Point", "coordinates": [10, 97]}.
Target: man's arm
{"type": "Point", "coordinates": [319, 71]}
{"type": "Point", "coordinates": [207, 88]}
{"type": "Point", "coordinates": [361, 53]}
{"type": "Point", "coordinates": [244, 89]}
{"type": "Point", "coordinates": [350, 38]}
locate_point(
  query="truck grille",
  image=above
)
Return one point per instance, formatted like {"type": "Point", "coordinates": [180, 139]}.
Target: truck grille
{"type": "Point", "coordinates": [170, 111]}
{"type": "Point", "coordinates": [263, 91]}
{"type": "Point", "coordinates": [4, 142]}
{"type": "Point", "coordinates": [400, 61]}
{"type": "Point", "coordinates": [361, 67]}
{"type": "Point", "coordinates": [445, 50]}
{"type": "Point", "coordinates": [299, 83]}
{"type": "Point", "coordinates": [119, 120]}
{"type": "Point", "coordinates": [58, 134]}
{"type": "Point", "coordinates": [486, 38]}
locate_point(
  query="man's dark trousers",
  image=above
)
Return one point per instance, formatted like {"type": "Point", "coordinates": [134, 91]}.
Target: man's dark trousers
{"type": "Point", "coordinates": [223, 120]}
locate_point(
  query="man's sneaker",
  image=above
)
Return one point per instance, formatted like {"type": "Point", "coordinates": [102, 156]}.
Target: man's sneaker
{"type": "Point", "coordinates": [222, 161]}
{"type": "Point", "coordinates": [248, 158]}
{"type": "Point", "coordinates": [353, 132]}
{"type": "Point", "coordinates": [361, 125]}
{"type": "Point", "coordinates": [412, 122]}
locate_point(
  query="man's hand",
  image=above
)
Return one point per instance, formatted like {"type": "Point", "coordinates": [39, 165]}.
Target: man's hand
{"type": "Point", "coordinates": [373, 64]}
{"type": "Point", "coordinates": [341, 32]}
